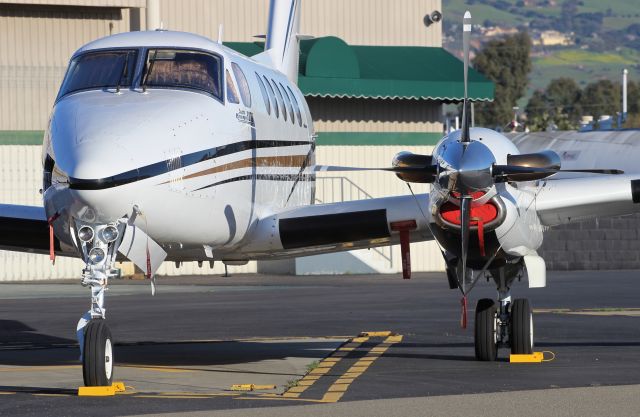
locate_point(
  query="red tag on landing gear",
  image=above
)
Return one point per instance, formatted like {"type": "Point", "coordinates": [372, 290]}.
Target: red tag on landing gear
{"type": "Point", "coordinates": [52, 252]}
{"type": "Point", "coordinates": [463, 318]}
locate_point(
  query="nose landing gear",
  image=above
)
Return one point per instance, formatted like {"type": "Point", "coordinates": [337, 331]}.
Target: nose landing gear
{"type": "Point", "coordinates": [97, 363]}
{"type": "Point", "coordinates": [99, 247]}
{"type": "Point", "coordinates": [509, 324]}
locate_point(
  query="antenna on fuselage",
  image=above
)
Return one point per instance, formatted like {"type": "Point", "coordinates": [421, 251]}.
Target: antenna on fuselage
{"type": "Point", "coordinates": [220, 32]}
{"type": "Point", "coordinates": [466, 37]}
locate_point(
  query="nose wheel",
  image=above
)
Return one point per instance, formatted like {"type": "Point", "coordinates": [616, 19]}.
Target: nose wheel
{"type": "Point", "coordinates": [97, 358]}
{"type": "Point", "coordinates": [521, 330]}
{"type": "Point", "coordinates": [490, 328]}
{"type": "Point", "coordinates": [486, 330]}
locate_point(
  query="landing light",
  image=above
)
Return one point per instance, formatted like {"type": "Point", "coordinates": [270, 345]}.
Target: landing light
{"type": "Point", "coordinates": [86, 233]}
{"type": "Point", "coordinates": [96, 255]}
{"type": "Point", "coordinates": [109, 233]}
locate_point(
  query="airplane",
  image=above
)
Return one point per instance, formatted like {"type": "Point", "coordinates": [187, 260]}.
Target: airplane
{"type": "Point", "coordinates": [168, 146]}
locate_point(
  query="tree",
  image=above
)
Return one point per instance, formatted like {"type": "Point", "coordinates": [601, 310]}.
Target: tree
{"type": "Point", "coordinates": [507, 63]}
{"type": "Point", "coordinates": [557, 105]}
{"type": "Point", "coordinates": [601, 98]}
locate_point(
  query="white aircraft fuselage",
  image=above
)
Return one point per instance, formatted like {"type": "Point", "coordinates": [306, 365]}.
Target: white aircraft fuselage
{"type": "Point", "coordinates": [187, 158]}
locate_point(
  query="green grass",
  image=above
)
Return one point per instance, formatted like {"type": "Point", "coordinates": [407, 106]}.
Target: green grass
{"type": "Point", "coordinates": [618, 7]}
{"type": "Point", "coordinates": [625, 12]}
{"type": "Point", "coordinates": [582, 66]}
{"type": "Point", "coordinates": [617, 23]}
{"type": "Point", "coordinates": [454, 9]}
{"type": "Point", "coordinates": [579, 57]}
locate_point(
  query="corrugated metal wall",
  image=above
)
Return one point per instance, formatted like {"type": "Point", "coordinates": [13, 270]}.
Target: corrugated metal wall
{"type": "Point", "coordinates": [88, 3]}
{"type": "Point", "coordinates": [35, 45]}
{"type": "Point", "coordinates": [425, 256]}
{"type": "Point", "coordinates": [38, 37]}
{"type": "Point", "coordinates": [362, 115]}
{"type": "Point", "coordinates": [358, 22]}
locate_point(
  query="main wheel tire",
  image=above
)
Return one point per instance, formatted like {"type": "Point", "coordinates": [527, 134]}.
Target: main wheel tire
{"type": "Point", "coordinates": [521, 336]}
{"type": "Point", "coordinates": [486, 336]}
{"type": "Point", "coordinates": [97, 360]}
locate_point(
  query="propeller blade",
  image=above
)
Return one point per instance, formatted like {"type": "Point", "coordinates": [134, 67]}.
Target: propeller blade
{"type": "Point", "coordinates": [596, 171]}
{"type": "Point", "coordinates": [465, 224]}
{"type": "Point", "coordinates": [523, 173]}
{"type": "Point", "coordinates": [422, 174]}
{"type": "Point", "coordinates": [466, 38]}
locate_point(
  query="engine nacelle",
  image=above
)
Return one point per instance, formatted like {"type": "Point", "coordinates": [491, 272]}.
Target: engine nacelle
{"type": "Point", "coordinates": [412, 160]}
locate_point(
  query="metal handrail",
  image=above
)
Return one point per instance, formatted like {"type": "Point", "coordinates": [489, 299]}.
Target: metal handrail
{"type": "Point", "coordinates": [347, 189]}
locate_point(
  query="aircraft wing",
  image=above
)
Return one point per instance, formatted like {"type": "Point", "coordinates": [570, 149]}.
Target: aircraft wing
{"type": "Point", "coordinates": [334, 227]}
{"type": "Point", "coordinates": [25, 229]}
{"type": "Point", "coordinates": [569, 200]}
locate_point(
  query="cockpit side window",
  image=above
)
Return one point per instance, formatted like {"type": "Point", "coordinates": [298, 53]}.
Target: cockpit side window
{"type": "Point", "coordinates": [183, 68]}
{"type": "Point", "coordinates": [243, 85]}
{"type": "Point", "coordinates": [100, 69]}
{"type": "Point", "coordinates": [232, 94]}
{"type": "Point", "coordinates": [265, 95]}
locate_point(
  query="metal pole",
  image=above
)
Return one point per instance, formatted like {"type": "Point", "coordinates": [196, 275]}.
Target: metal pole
{"type": "Point", "coordinates": [153, 14]}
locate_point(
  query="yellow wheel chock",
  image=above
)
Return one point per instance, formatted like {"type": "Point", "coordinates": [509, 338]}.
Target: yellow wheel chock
{"type": "Point", "coordinates": [107, 391]}
{"type": "Point", "coordinates": [535, 357]}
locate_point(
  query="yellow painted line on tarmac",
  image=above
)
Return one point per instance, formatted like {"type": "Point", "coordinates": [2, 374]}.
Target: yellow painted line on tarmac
{"type": "Point", "coordinates": [52, 395]}
{"type": "Point", "coordinates": [38, 368]}
{"type": "Point", "coordinates": [376, 334]}
{"type": "Point", "coordinates": [278, 398]}
{"type": "Point", "coordinates": [7, 393]}
{"type": "Point", "coordinates": [306, 383]}
{"type": "Point", "coordinates": [332, 397]}
{"type": "Point", "coordinates": [360, 339]}
{"type": "Point", "coordinates": [345, 380]}
{"type": "Point", "coordinates": [182, 397]}
{"type": "Point", "coordinates": [394, 339]}
{"type": "Point", "coordinates": [168, 369]}
{"type": "Point", "coordinates": [340, 387]}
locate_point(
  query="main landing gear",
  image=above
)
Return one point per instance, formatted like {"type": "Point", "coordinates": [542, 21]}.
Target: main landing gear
{"type": "Point", "coordinates": [99, 244]}
{"type": "Point", "coordinates": [503, 324]}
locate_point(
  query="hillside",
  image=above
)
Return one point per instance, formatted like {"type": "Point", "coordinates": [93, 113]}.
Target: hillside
{"type": "Point", "coordinates": [594, 39]}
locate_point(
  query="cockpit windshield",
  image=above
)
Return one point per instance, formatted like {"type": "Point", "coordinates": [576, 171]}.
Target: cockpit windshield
{"type": "Point", "coordinates": [177, 68]}
{"type": "Point", "coordinates": [100, 69]}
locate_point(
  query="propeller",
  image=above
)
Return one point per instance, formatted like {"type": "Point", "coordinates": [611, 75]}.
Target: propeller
{"type": "Point", "coordinates": [464, 167]}
{"type": "Point", "coordinates": [465, 197]}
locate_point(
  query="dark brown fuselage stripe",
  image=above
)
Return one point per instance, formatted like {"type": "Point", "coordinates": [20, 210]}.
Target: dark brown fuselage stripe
{"type": "Point", "coordinates": [261, 162]}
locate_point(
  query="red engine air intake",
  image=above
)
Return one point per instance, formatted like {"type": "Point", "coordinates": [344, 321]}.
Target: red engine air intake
{"type": "Point", "coordinates": [480, 215]}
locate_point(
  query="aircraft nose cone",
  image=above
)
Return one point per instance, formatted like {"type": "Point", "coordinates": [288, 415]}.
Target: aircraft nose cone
{"type": "Point", "coordinates": [475, 166]}
{"type": "Point", "coordinates": [467, 167]}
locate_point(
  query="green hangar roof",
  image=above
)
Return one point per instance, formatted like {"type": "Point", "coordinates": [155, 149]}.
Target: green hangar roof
{"type": "Point", "coordinates": [331, 68]}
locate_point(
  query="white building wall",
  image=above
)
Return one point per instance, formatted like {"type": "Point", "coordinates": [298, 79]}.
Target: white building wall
{"type": "Point", "coordinates": [425, 256]}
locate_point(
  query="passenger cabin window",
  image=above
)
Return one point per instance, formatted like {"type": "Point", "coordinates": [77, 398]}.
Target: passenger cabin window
{"type": "Point", "coordinates": [295, 105]}
{"type": "Point", "coordinates": [272, 94]}
{"type": "Point", "coordinates": [287, 101]}
{"type": "Point", "coordinates": [183, 68]}
{"type": "Point", "coordinates": [98, 70]}
{"type": "Point", "coordinates": [265, 95]}
{"type": "Point", "coordinates": [280, 101]}
{"type": "Point", "coordinates": [243, 85]}
{"type": "Point", "coordinates": [232, 94]}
